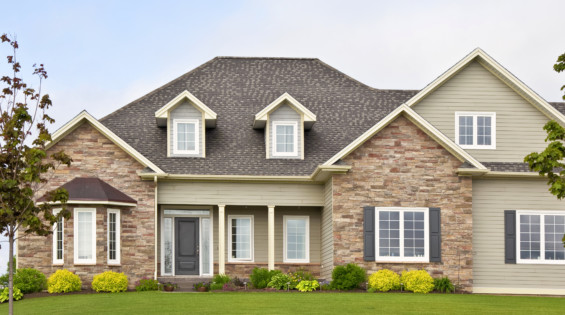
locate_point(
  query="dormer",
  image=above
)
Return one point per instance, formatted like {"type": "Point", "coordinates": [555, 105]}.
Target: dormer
{"type": "Point", "coordinates": [284, 121]}
{"type": "Point", "coordinates": [186, 119]}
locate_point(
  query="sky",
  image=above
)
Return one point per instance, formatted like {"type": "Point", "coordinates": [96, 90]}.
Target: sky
{"type": "Point", "coordinates": [101, 55]}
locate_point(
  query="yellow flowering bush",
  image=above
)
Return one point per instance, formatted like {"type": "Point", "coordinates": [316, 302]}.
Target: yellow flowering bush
{"type": "Point", "coordinates": [110, 281]}
{"type": "Point", "coordinates": [417, 281]}
{"type": "Point", "coordinates": [384, 280]}
{"type": "Point", "coordinates": [63, 281]}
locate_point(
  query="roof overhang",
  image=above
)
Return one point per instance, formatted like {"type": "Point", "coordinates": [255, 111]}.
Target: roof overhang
{"type": "Point", "coordinates": [84, 116]}
{"type": "Point", "coordinates": [500, 72]}
{"type": "Point", "coordinates": [262, 116]}
{"type": "Point", "coordinates": [163, 113]}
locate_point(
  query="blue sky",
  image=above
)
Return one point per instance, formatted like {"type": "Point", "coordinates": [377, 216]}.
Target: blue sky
{"type": "Point", "coordinates": [100, 55]}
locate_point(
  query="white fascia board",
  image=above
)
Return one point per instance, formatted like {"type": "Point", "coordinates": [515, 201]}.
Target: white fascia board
{"type": "Point", "coordinates": [261, 116]}
{"type": "Point", "coordinates": [421, 123]}
{"type": "Point", "coordinates": [541, 103]}
{"type": "Point", "coordinates": [84, 115]}
{"type": "Point", "coordinates": [86, 202]}
{"type": "Point", "coordinates": [163, 112]}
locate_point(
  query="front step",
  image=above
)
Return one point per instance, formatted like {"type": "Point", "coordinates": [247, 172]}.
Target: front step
{"type": "Point", "coordinates": [184, 283]}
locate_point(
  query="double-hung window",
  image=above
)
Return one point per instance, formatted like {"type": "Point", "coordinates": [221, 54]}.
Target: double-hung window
{"type": "Point", "coordinates": [402, 234]}
{"type": "Point", "coordinates": [113, 236]}
{"type": "Point", "coordinates": [540, 237]}
{"type": "Point", "coordinates": [285, 142]}
{"type": "Point", "coordinates": [186, 136]}
{"type": "Point", "coordinates": [475, 130]}
{"type": "Point", "coordinates": [58, 233]}
{"type": "Point", "coordinates": [240, 235]}
{"type": "Point", "coordinates": [85, 236]}
{"type": "Point", "coordinates": [296, 230]}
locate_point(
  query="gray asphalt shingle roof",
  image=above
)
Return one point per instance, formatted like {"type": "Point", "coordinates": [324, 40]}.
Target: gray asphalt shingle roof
{"type": "Point", "coordinates": [236, 89]}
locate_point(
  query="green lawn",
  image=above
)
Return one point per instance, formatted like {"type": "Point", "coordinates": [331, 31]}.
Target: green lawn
{"type": "Point", "coordinates": [285, 303]}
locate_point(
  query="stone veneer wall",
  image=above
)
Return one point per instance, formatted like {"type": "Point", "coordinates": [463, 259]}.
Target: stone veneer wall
{"type": "Point", "coordinates": [401, 166]}
{"type": "Point", "coordinates": [94, 155]}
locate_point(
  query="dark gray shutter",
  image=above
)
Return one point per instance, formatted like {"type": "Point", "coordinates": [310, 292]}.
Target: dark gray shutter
{"type": "Point", "coordinates": [369, 233]}
{"type": "Point", "coordinates": [435, 235]}
{"type": "Point", "coordinates": [509, 236]}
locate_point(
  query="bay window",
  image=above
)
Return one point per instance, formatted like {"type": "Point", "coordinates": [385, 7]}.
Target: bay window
{"type": "Point", "coordinates": [85, 236]}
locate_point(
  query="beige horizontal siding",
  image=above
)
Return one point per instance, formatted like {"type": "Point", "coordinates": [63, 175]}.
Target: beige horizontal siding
{"type": "Point", "coordinates": [247, 194]}
{"type": "Point", "coordinates": [474, 89]}
{"type": "Point", "coordinates": [490, 198]}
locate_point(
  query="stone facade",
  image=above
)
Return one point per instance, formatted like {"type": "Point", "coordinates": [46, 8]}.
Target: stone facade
{"type": "Point", "coordinates": [94, 155]}
{"type": "Point", "coordinates": [402, 166]}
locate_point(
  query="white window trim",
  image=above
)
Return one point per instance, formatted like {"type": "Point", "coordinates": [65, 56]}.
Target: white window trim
{"type": "Point", "coordinates": [295, 144]}
{"type": "Point", "coordinates": [252, 240]}
{"type": "Point", "coordinates": [196, 136]}
{"type": "Point", "coordinates": [55, 260]}
{"type": "Point", "coordinates": [542, 259]}
{"type": "Point", "coordinates": [401, 258]}
{"type": "Point", "coordinates": [118, 236]}
{"type": "Point", "coordinates": [307, 259]}
{"type": "Point", "coordinates": [78, 261]}
{"type": "Point", "coordinates": [492, 145]}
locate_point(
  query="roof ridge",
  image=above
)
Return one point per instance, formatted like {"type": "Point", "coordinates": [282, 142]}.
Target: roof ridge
{"type": "Point", "coordinates": [271, 58]}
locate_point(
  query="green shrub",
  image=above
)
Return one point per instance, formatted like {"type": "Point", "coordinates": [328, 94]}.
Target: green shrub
{"type": "Point", "coordinates": [221, 279]}
{"type": "Point", "coordinates": [417, 281]}
{"type": "Point", "coordinates": [347, 277]}
{"type": "Point", "coordinates": [110, 281]}
{"type": "Point", "coordinates": [260, 277]}
{"type": "Point", "coordinates": [443, 285]}
{"type": "Point", "coordinates": [280, 282]}
{"type": "Point", "coordinates": [63, 281]}
{"type": "Point", "coordinates": [28, 280]}
{"type": "Point", "coordinates": [216, 286]}
{"type": "Point", "coordinates": [298, 276]}
{"type": "Point", "coordinates": [147, 285]}
{"type": "Point", "coordinates": [384, 280]}
{"type": "Point", "coordinates": [308, 285]}
{"type": "Point", "coordinates": [5, 295]}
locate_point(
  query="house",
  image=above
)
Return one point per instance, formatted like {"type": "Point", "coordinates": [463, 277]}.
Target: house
{"type": "Point", "coordinates": [287, 163]}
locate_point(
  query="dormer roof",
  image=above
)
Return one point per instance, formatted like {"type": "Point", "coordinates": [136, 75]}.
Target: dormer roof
{"type": "Point", "coordinates": [162, 114]}
{"type": "Point", "coordinates": [262, 116]}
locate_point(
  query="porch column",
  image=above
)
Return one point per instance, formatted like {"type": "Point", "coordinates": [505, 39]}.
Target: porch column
{"type": "Point", "coordinates": [271, 238]}
{"type": "Point", "coordinates": [221, 239]}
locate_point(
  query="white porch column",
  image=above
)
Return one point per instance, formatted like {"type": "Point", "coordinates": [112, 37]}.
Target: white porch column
{"type": "Point", "coordinates": [221, 239]}
{"type": "Point", "coordinates": [271, 238]}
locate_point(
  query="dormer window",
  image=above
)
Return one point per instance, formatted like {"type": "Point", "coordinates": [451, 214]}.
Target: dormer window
{"type": "Point", "coordinates": [186, 136]}
{"type": "Point", "coordinates": [285, 138]}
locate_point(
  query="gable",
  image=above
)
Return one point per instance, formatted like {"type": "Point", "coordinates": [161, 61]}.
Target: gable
{"type": "Point", "coordinates": [519, 125]}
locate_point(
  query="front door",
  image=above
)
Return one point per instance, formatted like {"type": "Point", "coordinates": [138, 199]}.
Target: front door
{"type": "Point", "coordinates": [187, 246]}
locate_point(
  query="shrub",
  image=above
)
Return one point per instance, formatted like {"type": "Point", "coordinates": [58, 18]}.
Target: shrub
{"type": "Point", "coordinates": [237, 282]}
{"type": "Point", "coordinates": [110, 281]}
{"type": "Point", "coordinates": [260, 277]}
{"type": "Point", "coordinates": [298, 276]}
{"type": "Point", "coordinates": [229, 286]}
{"type": "Point", "coordinates": [347, 277]}
{"type": "Point", "coordinates": [280, 282]}
{"type": "Point", "coordinates": [147, 285]}
{"type": "Point", "coordinates": [384, 280]}
{"type": "Point", "coordinates": [308, 285]}
{"type": "Point", "coordinates": [216, 286]}
{"type": "Point", "coordinates": [63, 281]}
{"type": "Point", "coordinates": [222, 279]}
{"type": "Point", "coordinates": [28, 280]}
{"type": "Point", "coordinates": [5, 295]}
{"type": "Point", "coordinates": [417, 281]}
{"type": "Point", "coordinates": [443, 285]}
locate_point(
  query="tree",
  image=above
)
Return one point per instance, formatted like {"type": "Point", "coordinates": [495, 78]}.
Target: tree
{"type": "Point", "coordinates": [24, 165]}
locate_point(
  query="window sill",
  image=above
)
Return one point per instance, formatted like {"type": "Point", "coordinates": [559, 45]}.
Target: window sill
{"type": "Point", "coordinates": [84, 264]}
{"type": "Point", "coordinates": [58, 264]}
{"type": "Point", "coordinates": [402, 262]}
{"type": "Point", "coordinates": [477, 147]}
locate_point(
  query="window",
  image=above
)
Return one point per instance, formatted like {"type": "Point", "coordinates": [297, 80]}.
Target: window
{"type": "Point", "coordinates": [402, 234]}
{"type": "Point", "coordinates": [540, 237]}
{"type": "Point", "coordinates": [296, 239]}
{"type": "Point", "coordinates": [186, 136]}
{"type": "Point", "coordinates": [240, 237]}
{"type": "Point", "coordinates": [284, 139]}
{"type": "Point", "coordinates": [58, 249]}
{"type": "Point", "coordinates": [113, 236]}
{"type": "Point", "coordinates": [85, 236]}
{"type": "Point", "coordinates": [475, 130]}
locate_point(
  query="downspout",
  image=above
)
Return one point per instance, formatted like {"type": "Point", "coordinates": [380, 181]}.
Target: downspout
{"type": "Point", "coordinates": [156, 220]}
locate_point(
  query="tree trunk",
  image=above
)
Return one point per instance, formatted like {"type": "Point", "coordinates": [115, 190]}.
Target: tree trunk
{"type": "Point", "coordinates": [11, 271]}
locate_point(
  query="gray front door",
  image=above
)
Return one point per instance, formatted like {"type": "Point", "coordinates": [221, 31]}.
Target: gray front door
{"type": "Point", "coordinates": [187, 246]}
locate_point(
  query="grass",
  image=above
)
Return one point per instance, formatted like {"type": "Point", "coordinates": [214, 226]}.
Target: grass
{"type": "Point", "coordinates": [285, 303]}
